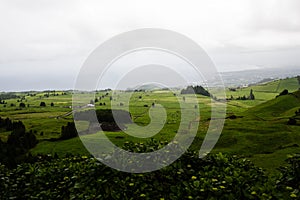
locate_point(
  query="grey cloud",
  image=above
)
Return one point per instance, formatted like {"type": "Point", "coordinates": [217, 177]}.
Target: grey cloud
{"type": "Point", "coordinates": [57, 36]}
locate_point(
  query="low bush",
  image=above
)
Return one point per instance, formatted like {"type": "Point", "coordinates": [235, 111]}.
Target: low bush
{"type": "Point", "coordinates": [81, 177]}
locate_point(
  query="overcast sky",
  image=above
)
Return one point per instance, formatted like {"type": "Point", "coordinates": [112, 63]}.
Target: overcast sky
{"type": "Point", "coordinates": [44, 43]}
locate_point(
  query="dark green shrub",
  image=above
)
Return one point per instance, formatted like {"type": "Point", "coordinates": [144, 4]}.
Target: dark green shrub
{"type": "Point", "coordinates": [289, 182]}
{"type": "Point", "coordinates": [68, 131]}
{"type": "Point", "coordinates": [195, 90]}
{"type": "Point", "coordinates": [292, 121]}
{"type": "Point", "coordinates": [104, 115]}
{"type": "Point", "coordinates": [81, 177]}
{"type": "Point", "coordinates": [284, 92]}
{"type": "Point", "coordinates": [22, 105]}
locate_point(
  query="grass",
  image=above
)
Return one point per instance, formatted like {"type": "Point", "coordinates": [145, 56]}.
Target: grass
{"type": "Point", "coordinates": [261, 133]}
{"type": "Point", "coordinates": [282, 106]}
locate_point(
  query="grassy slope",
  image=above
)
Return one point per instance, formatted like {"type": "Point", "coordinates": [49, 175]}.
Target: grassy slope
{"type": "Point", "coordinates": [278, 107]}
{"type": "Point", "coordinates": [262, 134]}
{"type": "Point", "coordinates": [267, 91]}
{"type": "Point", "coordinates": [36, 118]}
{"type": "Point", "coordinates": [284, 138]}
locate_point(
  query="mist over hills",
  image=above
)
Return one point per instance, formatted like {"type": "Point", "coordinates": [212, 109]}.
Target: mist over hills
{"type": "Point", "coordinates": [230, 79]}
{"type": "Point", "coordinates": [240, 78]}
{"type": "Point", "coordinates": [246, 77]}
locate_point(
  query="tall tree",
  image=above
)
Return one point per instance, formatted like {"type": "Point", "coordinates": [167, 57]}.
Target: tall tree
{"type": "Point", "coordinates": [251, 96]}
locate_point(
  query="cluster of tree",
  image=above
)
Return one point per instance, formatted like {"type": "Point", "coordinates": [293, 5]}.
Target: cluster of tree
{"type": "Point", "coordinates": [42, 104]}
{"type": "Point", "coordinates": [22, 139]}
{"type": "Point", "coordinates": [6, 124]}
{"type": "Point", "coordinates": [18, 142]}
{"type": "Point", "coordinates": [22, 105]}
{"type": "Point", "coordinates": [31, 94]}
{"type": "Point", "coordinates": [105, 126]}
{"type": "Point", "coordinates": [101, 97]}
{"type": "Point", "coordinates": [3, 102]}
{"type": "Point", "coordinates": [135, 90]}
{"type": "Point", "coordinates": [68, 131]}
{"type": "Point", "coordinates": [139, 90]}
{"type": "Point", "coordinates": [244, 97]}
{"type": "Point", "coordinates": [96, 100]}
{"type": "Point", "coordinates": [8, 95]}
{"type": "Point", "coordinates": [298, 77]}
{"type": "Point", "coordinates": [293, 120]}
{"type": "Point", "coordinates": [50, 93]}
{"type": "Point", "coordinates": [104, 115]}
{"type": "Point", "coordinates": [196, 90]}
{"type": "Point", "coordinates": [284, 92]}
{"type": "Point", "coordinates": [10, 125]}
{"type": "Point", "coordinates": [21, 99]}
{"type": "Point", "coordinates": [251, 96]}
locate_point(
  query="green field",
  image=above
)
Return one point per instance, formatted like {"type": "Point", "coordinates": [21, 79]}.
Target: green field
{"type": "Point", "coordinates": [260, 132]}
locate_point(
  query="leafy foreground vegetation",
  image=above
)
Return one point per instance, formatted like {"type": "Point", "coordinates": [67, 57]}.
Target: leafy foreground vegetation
{"type": "Point", "coordinates": [214, 177]}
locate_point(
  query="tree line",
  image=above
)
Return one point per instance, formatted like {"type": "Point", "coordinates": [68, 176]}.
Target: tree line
{"type": "Point", "coordinates": [18, 143]}
{"type": "Point", "coordinates": [198, 89]}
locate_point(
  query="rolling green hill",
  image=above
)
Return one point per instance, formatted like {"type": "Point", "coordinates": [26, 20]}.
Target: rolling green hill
{"type": "Point", "coordinates": [261, 133]}
{"type": "Point", "coordinates": [266, 91]}
{"type": "Point", "coordinates": [277, 86]}
{"type": "Point", "coordinates": [282, 106]}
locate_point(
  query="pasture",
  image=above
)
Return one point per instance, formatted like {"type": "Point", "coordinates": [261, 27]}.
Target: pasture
{"type": "Point", "coordinates": [260, 132]}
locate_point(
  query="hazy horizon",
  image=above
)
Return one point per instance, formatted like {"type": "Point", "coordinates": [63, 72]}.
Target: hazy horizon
{"type": "Point", "coordinates": [230, 78]}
